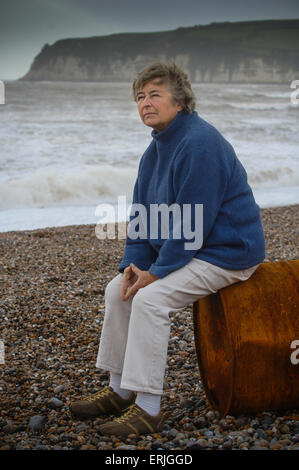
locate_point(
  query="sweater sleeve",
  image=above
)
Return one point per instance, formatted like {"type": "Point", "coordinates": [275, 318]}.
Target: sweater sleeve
{"type": "Point", "coordinates": [137, 251]}
{"type": "Point", "coordinates": [200, 178]}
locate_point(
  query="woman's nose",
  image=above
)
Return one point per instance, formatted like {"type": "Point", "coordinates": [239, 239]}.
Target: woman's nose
{"type": "Point", "coordinates": [146, 101]}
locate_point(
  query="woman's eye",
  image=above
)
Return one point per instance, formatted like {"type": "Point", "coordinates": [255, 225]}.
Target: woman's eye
{"type": "Point", "coordinates": [142, 97]}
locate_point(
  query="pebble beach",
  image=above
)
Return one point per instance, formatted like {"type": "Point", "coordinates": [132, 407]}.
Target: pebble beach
{"type": "Point", "coordinates": [52, 285]}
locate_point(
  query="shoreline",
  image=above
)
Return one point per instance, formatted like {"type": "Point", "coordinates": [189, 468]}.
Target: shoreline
{"type": "Point", "coordinates": [52, 286]}
{"type": "Point", "coordinates": [263, 210]}
{"type": "Point", "coordinates": [16, 220]}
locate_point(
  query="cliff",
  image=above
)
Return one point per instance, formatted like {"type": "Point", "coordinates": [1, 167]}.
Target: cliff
{"type": "Point", "coordinates": [254, 51]}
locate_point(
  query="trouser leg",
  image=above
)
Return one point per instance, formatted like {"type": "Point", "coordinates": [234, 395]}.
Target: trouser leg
{"type": "Point", "coordinates": [115, 328]}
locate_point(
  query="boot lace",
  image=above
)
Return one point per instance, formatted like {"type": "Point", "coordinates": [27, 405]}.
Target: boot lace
{"type": "Point", "coordinates": [132, 410]}
{"type": "Point", "coordinates": [101, 394]}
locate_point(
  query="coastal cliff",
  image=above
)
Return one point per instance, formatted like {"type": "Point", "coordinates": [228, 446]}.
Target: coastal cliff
{"type": "Point", "coordinates": [244, 52]}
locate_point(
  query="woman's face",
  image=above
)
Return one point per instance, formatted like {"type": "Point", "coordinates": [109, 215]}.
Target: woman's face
{"type": "Point", "coordinates": [156, 106]}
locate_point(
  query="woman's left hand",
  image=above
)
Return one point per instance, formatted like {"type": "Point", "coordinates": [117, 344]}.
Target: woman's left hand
{"type": "Point", "coordinates": [143, 279]}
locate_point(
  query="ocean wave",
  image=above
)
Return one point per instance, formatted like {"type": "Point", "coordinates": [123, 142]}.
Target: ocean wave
{"type": "Point", "coordinates": [47, 187]}
{"type": "Point", "coordinates": [264, 95]}
{"type": "Point", "coordinates": [97, 183]}
{"type": "Point", "coordinates": [281, 176]}
{"type": "Point", "coordinates": [261, 106]}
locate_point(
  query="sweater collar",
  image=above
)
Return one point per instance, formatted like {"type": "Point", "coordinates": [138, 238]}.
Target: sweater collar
{"type": "Point", "coordinates": [180, 121]}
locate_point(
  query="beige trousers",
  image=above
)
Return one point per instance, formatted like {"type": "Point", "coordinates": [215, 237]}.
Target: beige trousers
{"type": "Point", "coordinates": [135, 333]}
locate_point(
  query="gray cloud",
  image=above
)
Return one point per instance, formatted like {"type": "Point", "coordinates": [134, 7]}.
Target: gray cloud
{"type": "Point", "coordinates": [26, 25]}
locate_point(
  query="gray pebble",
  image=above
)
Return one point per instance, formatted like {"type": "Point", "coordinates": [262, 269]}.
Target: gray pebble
{"type": "Point", "coordinates": [261, 433]}
{"type": "Point", "coordinates": [157, 444]}
{"type": "Point", "coordinates": [202, 443]}
{"type": "Point", "coordinates": [178, 438]}
{"type": "Point", "coordinates": [169, 445]}
{"type": "Point", "coordinates": [172, 433]}
{"type": "Point", "coordinates": [256, 447]}
{"type": "Point", "coordinates": [284, 429]}
{"type": "Point", "coordinates": [41, 447]}
{"type": "Point", "coordinates": [227, 444]}
{"type": "Point", "coordinates": [200, 422]}
{"type": "Point", "coordinates": [254, 423]}
{"type": "Point", "coordinates": [261, 442]}
{"type": "Point", "coordinates": [210, 415]}
{"type": "Point", "coordinates": [186, 403]}
{"type": "Point", "coordinates": [55, 403]}
{"type": "Point", "coordinates": [37, 422]}
{"type": "Point", "coordinates": [241, 421]}
{"type": "Point", "coordinates": [10, 428]}
{"type": "Point", "coordinates": [188, 427]}
{"type": "Point", "coordinates": [127, 447]}
{"type": "Point", "coordinates": [250, 430]}
{"type": "Point", "coordinates": [268, 420]}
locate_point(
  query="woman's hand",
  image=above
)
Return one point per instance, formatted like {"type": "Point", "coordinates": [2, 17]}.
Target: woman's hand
{"type": "Point", "coordinates": [128, 280]}
{"type": "Point", "coordinates": [133, 279]}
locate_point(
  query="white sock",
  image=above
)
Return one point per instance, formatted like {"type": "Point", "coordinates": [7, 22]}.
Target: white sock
{"type": "Point", "coordinates": [115, 380]}
{"type": "Point", "coordinates": [149, 402]}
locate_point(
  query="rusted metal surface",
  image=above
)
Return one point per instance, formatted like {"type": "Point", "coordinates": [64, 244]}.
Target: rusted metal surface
{"type": "Point", "coordinates": [244, 336]}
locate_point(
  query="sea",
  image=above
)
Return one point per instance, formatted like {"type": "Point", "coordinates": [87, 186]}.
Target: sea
{"type": "Point", "coordinates": [68, 150]}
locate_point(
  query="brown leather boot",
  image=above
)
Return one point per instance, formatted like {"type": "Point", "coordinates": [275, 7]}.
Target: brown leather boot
{"type": "Point", "coordinates": [102, 403]}
{"type": "Point", "coordinates": [133, 421]}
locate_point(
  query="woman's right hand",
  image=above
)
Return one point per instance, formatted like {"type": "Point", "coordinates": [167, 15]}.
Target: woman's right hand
{"type": "Point", "coordinates": [128, 280]}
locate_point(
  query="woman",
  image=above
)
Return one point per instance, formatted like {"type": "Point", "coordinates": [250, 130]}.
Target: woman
{"type": "Point", "coordinates": [187, 164]}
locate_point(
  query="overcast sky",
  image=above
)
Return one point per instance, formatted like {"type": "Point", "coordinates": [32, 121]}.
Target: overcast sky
{"type": "Point", "coordinates": [26, 25]}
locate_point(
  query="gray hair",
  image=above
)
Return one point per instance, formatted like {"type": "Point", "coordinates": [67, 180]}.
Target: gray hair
{"type": "Point", "coordinates": [172, 74]}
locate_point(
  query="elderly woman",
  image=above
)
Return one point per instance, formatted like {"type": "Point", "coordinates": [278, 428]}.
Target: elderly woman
{"type": "Point", "coordinates": [187, 164]}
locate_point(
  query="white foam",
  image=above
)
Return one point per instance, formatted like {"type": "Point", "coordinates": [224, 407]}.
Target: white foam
{"type": "Point", "coordinates": [35, 218]}
{"type": "Point", "coordinates": [46, 187]}
{"type": "Point", "coordinates": [274, 197]}
{"type": "Point", "coordinates": [263, 106]}
{"type": "Point", "coordinates": [282, 177]}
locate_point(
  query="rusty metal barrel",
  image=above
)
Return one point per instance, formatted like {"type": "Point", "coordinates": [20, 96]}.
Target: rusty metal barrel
{"type": "Point", "coordinates": [245, 336]}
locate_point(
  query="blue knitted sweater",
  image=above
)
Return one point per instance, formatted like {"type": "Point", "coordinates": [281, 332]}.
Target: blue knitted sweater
{"type": "Point", "coordinates": [190, 164]}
